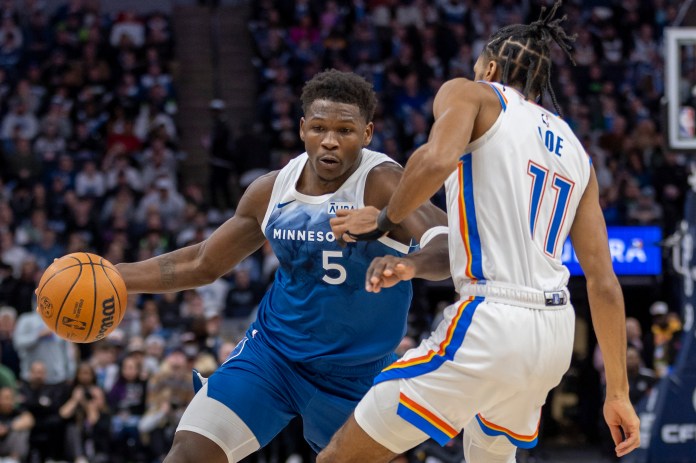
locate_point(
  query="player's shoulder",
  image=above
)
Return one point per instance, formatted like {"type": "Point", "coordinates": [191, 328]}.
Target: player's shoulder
{"type": "Point", "coordinates": [462, 89]}
{"type": "Point", "coordinates": [263, 182]}
{"type": "Point", "coordinates": [381, 183]}
{"type": "Point", "coordinates": [462, 85]}
{"type": "Point", "coordinates": [385, 170]}
{"type": "Point", "coordinates": [380, 164]}
{"type": "Point", "coordinates": [258, 194]}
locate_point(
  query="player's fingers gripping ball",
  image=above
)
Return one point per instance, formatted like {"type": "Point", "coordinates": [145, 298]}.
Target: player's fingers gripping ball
{"type": "Point", "coordinates": [81, 297]}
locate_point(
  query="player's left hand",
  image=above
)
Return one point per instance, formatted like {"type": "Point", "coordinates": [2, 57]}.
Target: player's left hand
{"type": "Point", "coordinates": [355, 222]}
{"type": "Point", "coordinates": [387, 271]}
{"type": "Point", "coordinates": [623, 424]}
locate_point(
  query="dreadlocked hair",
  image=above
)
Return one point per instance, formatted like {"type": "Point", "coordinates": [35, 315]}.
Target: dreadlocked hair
{"type": "Point", "coordinates": [523, 51]}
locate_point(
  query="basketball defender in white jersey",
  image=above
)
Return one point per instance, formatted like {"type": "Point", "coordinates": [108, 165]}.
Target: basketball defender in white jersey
{"type": "Point", "coordinates": [518, 183]}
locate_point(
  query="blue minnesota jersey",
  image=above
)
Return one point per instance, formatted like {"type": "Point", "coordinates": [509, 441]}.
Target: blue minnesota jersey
{"type": "Point", "coordinates": [317, 312]}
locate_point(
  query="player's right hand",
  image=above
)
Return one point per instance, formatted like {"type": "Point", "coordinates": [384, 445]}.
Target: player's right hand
{"type": "Point", "coordinates": [623, 424]}
{"type": "Point", "coordinates": [385, 272]}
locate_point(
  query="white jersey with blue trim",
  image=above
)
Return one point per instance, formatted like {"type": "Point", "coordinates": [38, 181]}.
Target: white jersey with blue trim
{"type": "Point", "coordinates": [512, 200]}
{"type": "Point", "coordinates": [317, 312]}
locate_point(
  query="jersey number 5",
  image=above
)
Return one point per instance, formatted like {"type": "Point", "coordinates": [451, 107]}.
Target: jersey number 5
{"type": "Point", "coordinates": [341, 277]}
{"type": "Point", "coordinates": [563, 188]}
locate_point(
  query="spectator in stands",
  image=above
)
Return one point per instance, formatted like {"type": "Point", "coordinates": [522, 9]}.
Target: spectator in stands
{"type": "Point", "coordinates": [11, 53]}
{"type": "Point", "coordinates": [90, 182]}
{"type": "Point", "coordinates": [103, 362]}
{"type": "Point", "coordinates": [212, 340]}
{"type": "Point", "coordinates": [8, 353]}
{"type": "Point", "coordinates": [640, 379]}
{"type": "Point", "coordinates": [169, 392]}
{"type": "Point", "coordinates": [23, 165]}
{"type": "Point", "coordinates": [127, 29]}
{"type": "Point", "coordinates": [36, 343]}
{"type": "Point", "coordinates": [666, 330]}
{"type": "Point", "coordinates": [158, 161]}
{"type": "Point", "coordinates": [154, 354]}
{"type": "Point", "coordinates": [670, 180]}
{"type": "Point", "coordinates": [26, 284]}
{"type": "Point", "coordinates": [226, 349]}
{"type": "Point", "coordinates": [87, 424]}
{"type": "Point", "coordinates": [242, 299]}
{"type": "Point", "coordinates": [7, 376]}
{"type": "Point", "coordinates": [164, 200]}
{"type": "Point", "coordinates": [644, 211]}
{"type": "Point", "coordinates": [7, 284]}
{"type": "Point", "coordinates": [19, 121]}
{"type": "Point", "coordinates": [15, 425]}
{"type": "Point", "coordinates": [11, 253]}
{"type": "Point", "coordinates": [219, 144]}
{"type": "Point", "coordinates": [43, 401]}
{"type": "Point", "coordinates": [126, 401]}
{"type": "Point", "coordinates": [634, 336]}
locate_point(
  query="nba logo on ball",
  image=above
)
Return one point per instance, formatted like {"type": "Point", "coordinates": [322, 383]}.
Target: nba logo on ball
{"type": "Point", "coordinates": [46, 307]}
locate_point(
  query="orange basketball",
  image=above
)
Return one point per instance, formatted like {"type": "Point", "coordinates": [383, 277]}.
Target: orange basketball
{"type": "Point", "coordinates": [81, 297]}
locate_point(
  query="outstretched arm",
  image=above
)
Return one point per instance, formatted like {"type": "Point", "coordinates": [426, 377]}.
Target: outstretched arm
{"type": "Point", "coordinates": [456, 107]}
{"type": "Point", "coordinates": [589, 235]}
{"type": "Point", "coordinates": [204, 262]}
{"type": "Point", "coordinates": [463, 111]}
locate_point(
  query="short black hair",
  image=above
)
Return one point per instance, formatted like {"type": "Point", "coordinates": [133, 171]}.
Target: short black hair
{"type": "Point", "coordinates": [523, 51]}
{"type": "Point", "coordinates": [340, 87]}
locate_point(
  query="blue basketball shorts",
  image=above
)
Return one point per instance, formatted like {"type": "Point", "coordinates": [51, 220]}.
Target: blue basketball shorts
{"type": "Point", "coordinates": [267, 391]}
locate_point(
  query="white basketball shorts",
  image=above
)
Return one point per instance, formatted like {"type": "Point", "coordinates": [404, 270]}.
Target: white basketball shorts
{"type": "Point", "coordinates": [489, 361]}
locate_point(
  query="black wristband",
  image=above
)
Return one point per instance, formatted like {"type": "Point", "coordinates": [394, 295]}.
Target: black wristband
{"type": "Point", "coordinates": [368, 236]}
{"type": "Point", "coordinates": [384, 226]}
{"type": "Point", "coordinates": [383, 222]}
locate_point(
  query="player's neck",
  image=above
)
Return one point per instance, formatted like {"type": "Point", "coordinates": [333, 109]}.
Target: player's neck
{"type": "Point", "coordinates": [311, 183]}
{"type": "Point", "coordinates": [518, 89]}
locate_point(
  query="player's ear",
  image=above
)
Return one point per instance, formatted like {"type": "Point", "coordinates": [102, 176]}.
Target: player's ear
{"type": "Point", "coordinates": [369, 130]}
{"type": "Point", "coordinates": [491, 73]}
{"type": "Point", "coordinates": [302, 123]}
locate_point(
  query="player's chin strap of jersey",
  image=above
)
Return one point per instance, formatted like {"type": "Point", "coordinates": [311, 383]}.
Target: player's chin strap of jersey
{"type": "Point", "coordinates": [384, 226]}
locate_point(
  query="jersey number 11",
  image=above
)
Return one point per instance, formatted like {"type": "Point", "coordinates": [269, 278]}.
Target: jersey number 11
{"type": "Point", "coordinates": [563, 188]}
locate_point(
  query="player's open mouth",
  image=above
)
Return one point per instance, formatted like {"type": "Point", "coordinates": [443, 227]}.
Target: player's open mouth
{"type": "Point", "coordinates": [329, 161]}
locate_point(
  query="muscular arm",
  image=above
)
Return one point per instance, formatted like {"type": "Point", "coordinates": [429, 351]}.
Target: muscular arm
{"type": "Point", "coordinates": [432, 262]}
{"type": "Point", "coordinates": [464, 111]}
{"type": "Point", "coordinates": [456, 107]}
{"type": "Point", "coordinates": [204, 262]}
{"type": "Point", "coordinates": [589, 235]}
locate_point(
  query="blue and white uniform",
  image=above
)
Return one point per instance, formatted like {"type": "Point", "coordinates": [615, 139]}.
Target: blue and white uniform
{"type": "Point", "coordinates": [489, 365]}
{"type": "Point", "coordinates": [319, 338]}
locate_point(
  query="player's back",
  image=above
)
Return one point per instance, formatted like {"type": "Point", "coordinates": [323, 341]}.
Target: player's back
{"type": "Point", "coordinates": [513, 198]}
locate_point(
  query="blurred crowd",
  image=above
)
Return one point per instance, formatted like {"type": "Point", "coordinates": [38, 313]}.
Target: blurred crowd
{"type": "Point", "coordinates": [408, 48]}
{"type": "Point", "coordinates": [89, 161]}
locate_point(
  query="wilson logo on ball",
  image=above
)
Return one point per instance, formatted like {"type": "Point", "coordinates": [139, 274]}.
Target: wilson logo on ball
{"type": "Point", "coordinates": [74, 324]}
{"type": "Point", "coordinates": [108, 309]}
{"type": "Point", "coordinates": [46, 307]}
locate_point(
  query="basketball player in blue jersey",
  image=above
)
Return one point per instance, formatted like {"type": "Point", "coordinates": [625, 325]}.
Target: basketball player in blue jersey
{"type": "Point", "coordinates": [320, 338]}
{"type": "Point", "coordinates": [518, 183]}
